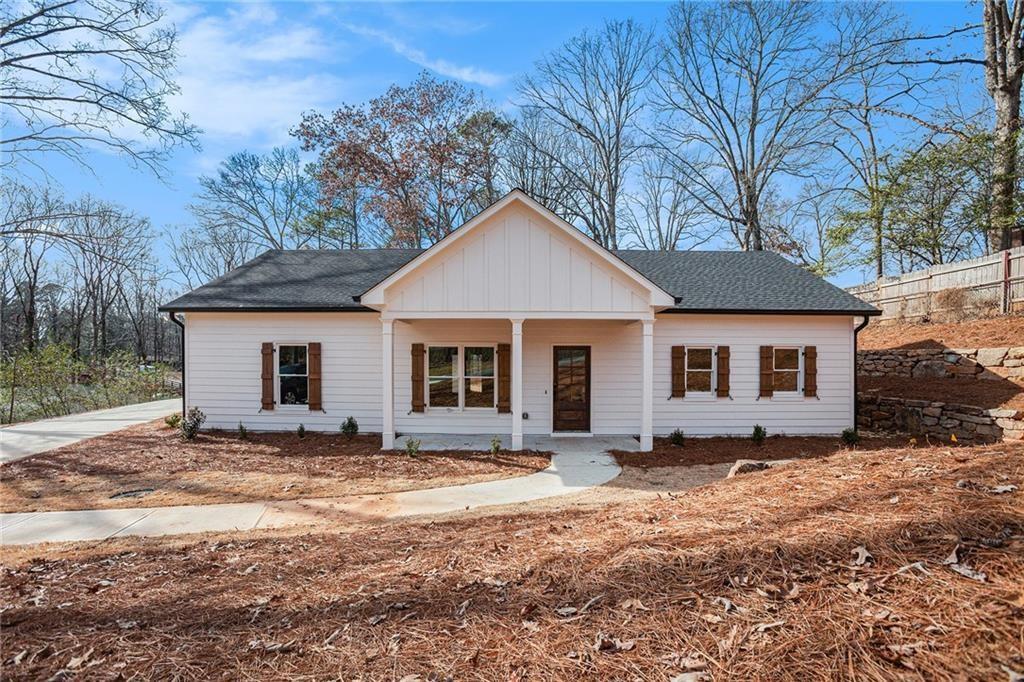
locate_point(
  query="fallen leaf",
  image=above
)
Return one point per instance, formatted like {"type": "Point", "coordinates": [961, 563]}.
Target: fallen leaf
{"type": "Point", "coordinates": [761, 627]}
{"type": "Point", "coordinates": [634, 604]}
{"type": "Point", "coordinates": [531, 625]}
{"type": "Point", "coordinates": [862, 556]}
{"type": "Point", "coordinates": [494, 582]}
{"type": "Point", "coordinates": [613, 645]}
{"type": "Point", "coordinates": [591, 603]}
{"type": "Point", "coordinates": [968, 572]}
{"type": "Point", "coordinates": [565, 611]}
{"type": "Point", "coordinates": [77, 661]}
{"type": "Point", "coordinates": [373, 620]}
{"type": "Point", "coordinates": [691, 677]}
{"type": "Point", "coordinates": [711, 617]}
{"type": "Point", "coordinates": [1001, 489]}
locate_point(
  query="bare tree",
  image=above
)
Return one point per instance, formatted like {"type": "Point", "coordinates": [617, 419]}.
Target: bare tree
{"type": "Point", "coordinates": [207, 252]}
{"type": "Point", "coordinates": [661, 214]}
{"type": "Point", "coordinates": [742, 88]}
{"type": "Point", "coordinates": [262, 198]}
{"type": "Point", "coordinates": [592, 91]}
{"type": "Point", "coordinates": [531, 161]}
{"type": "Point", "coordinates": [80, 74]}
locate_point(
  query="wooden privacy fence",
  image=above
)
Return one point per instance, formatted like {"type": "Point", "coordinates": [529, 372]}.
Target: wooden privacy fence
{"type": "Point", "coordinates": [987, 285]}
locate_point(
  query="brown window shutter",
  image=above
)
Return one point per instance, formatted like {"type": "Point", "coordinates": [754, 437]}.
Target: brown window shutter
{"type": "Point", "coordinates": [315, 394]}
{"type": "Point", "coordinates": [267, 377]}
{"type": "Point", "coordinates": [678, 371]}
{"type": "Point", "coordinates": [504, 377]}
{"type": "Point", "coordinates": [723, 372]}
{"type": "Point", "coordinates": [418, 353]}
{"type": "Point", "coordinates": [810, 371]}
{"type": "Point", "coordinates": [767, 371]}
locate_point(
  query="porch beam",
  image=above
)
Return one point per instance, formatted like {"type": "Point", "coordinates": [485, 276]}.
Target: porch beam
{"type": "Point", "coordinates": [388, 386]}
{"type": "Point", "coordinates": [647, 394]}
{"type": "Point", "coordinates": [517, 384]}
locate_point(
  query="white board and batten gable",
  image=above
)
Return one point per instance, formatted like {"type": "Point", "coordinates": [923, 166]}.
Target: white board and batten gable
{"type": "Point", "coordinates": [517, 259]}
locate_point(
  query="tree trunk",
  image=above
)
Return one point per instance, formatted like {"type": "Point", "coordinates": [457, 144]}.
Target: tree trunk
{"type": "Point", "coordinates": [1004, 166]}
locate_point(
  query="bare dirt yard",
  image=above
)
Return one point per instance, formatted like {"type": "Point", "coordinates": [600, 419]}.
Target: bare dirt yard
{"type": "Point", "coordinates": [892, 563]}
{"type": "Point", "coordinates": [979, 393]}
{"type": "Point", "coordinates": [995, 332]}
{"type": "Point", "coordinates": [149, 466]}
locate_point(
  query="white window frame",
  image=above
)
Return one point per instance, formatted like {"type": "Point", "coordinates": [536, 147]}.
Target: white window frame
{"type": "Point", "coordinates": [714, 371]}
{"type": "Point", "coordinates": [277, 375]}
{"type": "Point", "coordinates": [799, 372]}
{"type": "Point", "coordinates": [460, 377]}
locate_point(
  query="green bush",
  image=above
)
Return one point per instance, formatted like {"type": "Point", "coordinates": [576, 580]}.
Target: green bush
{"type": "Point", "coordinates": [495, 445]}
{"type": "Point", "coordinates": [677, 438]}
{"type": "Point", "coordinates": [173, 420]}
{"type": "Point", "coordinates": [850, 436]}
{"type": "Point", "coordinates": [243, 433]}
{"type": "Point", "coordinates": [301, 431]}
{"type": "Point", "coordinates": [759, 434]}
{"type": "Point", "coordinates": [412, 447]}
{"type": "Point", "coordinates": [350, 427]}
{"type": "Point", "coordinates": [191, 423]}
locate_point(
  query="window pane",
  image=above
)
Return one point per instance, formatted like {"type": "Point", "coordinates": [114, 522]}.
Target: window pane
{"type": "Point", "coordinates": [479, 392]}
{"type": "Point", "coordinates": [291, 359]}
{"type": "Point", "coordinates": [785, 381]}
{"type": "Point", "coordinates": [444, 393]}
{"type": "Point", "coordinates": [787, 358]}
{"type": "Point", "coordinates": [698, 358]}
{"type": "Point", "coordinates": [294, 390]}
{"type": "Point", "coordinates": [479, 362]}
{"type": "Point", "coordinates": [698, 382]}
{"type": "Point", "coordinates": [442, 361]}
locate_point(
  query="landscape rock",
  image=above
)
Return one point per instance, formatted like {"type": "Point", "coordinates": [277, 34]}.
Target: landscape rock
{"type": "Point", "coordinates": [747, 466]}
{"type": "Point", "coordinates": [930, 369]}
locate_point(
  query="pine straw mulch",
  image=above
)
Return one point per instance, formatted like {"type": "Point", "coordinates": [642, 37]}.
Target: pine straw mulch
{"type": "Point", "coordinates": [986, 393]}
{"type": "Point", "coordinates": [995, 332]}
{"type": "Point", "coordinates": [221, 467]}
{"type": "Point", "coordinates": [726, 450]}
{"type": "Point", "coordinates": [828, 569]}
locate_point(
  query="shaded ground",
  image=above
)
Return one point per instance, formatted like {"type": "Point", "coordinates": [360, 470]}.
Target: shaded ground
{"type": "Point", "coordinates": [757, 577]}
{"type": "Point", "coordinates": [979, 393]}
{"type": "Point", "coordinates": [993, 332]}
{"type": "Point", "coordinates": [723, 450]}
{"type": "Point", "coordinates": [220, 467]}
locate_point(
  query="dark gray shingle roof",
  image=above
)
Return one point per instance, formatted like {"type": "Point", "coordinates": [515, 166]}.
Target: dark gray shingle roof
{"type": "Point", "coordinates": [704, 281]}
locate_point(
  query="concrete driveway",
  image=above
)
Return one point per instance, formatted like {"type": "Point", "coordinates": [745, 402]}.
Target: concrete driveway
{"type": "Point", "coordinates": [21, 440]}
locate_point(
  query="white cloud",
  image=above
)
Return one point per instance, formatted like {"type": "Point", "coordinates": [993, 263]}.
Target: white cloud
{"type": "Point", "coordinates": [247, 75]}
{"type": "Point", "coordinates": [469, 74]}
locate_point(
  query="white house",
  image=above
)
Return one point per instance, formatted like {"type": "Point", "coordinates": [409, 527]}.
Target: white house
{"type": "Point", "coordinates": [518, 323]}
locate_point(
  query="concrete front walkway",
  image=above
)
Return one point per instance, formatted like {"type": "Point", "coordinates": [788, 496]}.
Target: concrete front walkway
{"type": "Point", "coordinates": [31, 438]}
{"type": "Point", "coordinates": [578, 464]}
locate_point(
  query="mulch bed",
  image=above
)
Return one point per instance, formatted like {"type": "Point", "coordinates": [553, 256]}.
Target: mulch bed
{"type": "Point", "coordinates": [722, 450]}
{"type": "Point", "coordinates": [994, 332]}
{"type": "Point", "coordinates": [149, 465]}
{"type": "Point", "coordinates": [883, 564]}
{"type": "Point", "coordinates": [987, 393]}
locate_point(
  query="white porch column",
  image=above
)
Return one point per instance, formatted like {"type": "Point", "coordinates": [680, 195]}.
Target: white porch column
{"type": "Point", "coordinates": [387, 348]}
{"type": "Point", "coordinates": [647, 395]}
{"type": "Point", "coordinates": [517, 384]}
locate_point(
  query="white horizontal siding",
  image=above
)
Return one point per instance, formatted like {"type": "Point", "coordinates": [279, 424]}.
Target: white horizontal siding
{"type": "Point", "coordinates": [223, 372]}
{"type": "Point", "coordinates": [223, 356]}
{"type": "Point", "coordinates": [829, 413]}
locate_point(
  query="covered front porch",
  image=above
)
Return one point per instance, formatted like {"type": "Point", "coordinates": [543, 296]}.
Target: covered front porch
{"type": "Point", "coordinates": [524, 379]}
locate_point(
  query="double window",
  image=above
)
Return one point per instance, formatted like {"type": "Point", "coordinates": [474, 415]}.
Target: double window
{"type": "Point", "coordinates": [461, 377]}
{"type": "Point", "coordinates": [293, 374]}
{"type": "Point", "coordinates": [700, 370]}
{"type": "Point", "coordinates": [786, 369]}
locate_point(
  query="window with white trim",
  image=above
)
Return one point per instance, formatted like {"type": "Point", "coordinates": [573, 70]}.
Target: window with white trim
{"type": "Point", "coordinates": [292, 374]}
{"type": "Point", "coordinates": [787, 363]}
{"type": "Point", "coordinates": [700, 370]}
{"type": "Point", "coordinates": [462, 377]}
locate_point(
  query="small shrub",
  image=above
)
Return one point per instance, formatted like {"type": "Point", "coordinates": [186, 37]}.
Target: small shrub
{"type": "Point", "coordinates": [350, 427]}
{"type": "Point", "coordinates": [495, 445]}
{"type": "Point", "coordinates": [243, 433]}
{"type": "Point", "coordinates": [191, 423]}
{"type": "Point", "coordinates": [850, 436]}
{"type": "Point", "coordinates": [301, 431]}
{"type": "Point", "coordinates": [759, 434]}
{"type": "Point", "coordinates": [677, 438]}
{"type": "Point", "coordinates": [412, 447]}
{"type": "Point", "coordinates": [173, 420]}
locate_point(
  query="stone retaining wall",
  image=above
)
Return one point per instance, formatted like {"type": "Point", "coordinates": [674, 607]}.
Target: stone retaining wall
{"type": "Point", "coordinates": [926, 417]}
{"type": "Point", "coordinates": [943, 363]}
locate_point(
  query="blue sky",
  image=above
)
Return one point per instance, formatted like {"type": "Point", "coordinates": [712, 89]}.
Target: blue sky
{"type": "Point", "coordinates": [248, 71]}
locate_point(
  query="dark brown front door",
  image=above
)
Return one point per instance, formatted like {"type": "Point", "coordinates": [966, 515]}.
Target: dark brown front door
{"type": "Point", "coordinates": [571, 390]}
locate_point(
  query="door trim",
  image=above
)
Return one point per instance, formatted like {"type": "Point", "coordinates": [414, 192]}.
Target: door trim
{"type": "Point", "coordinates": [554, 377]}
